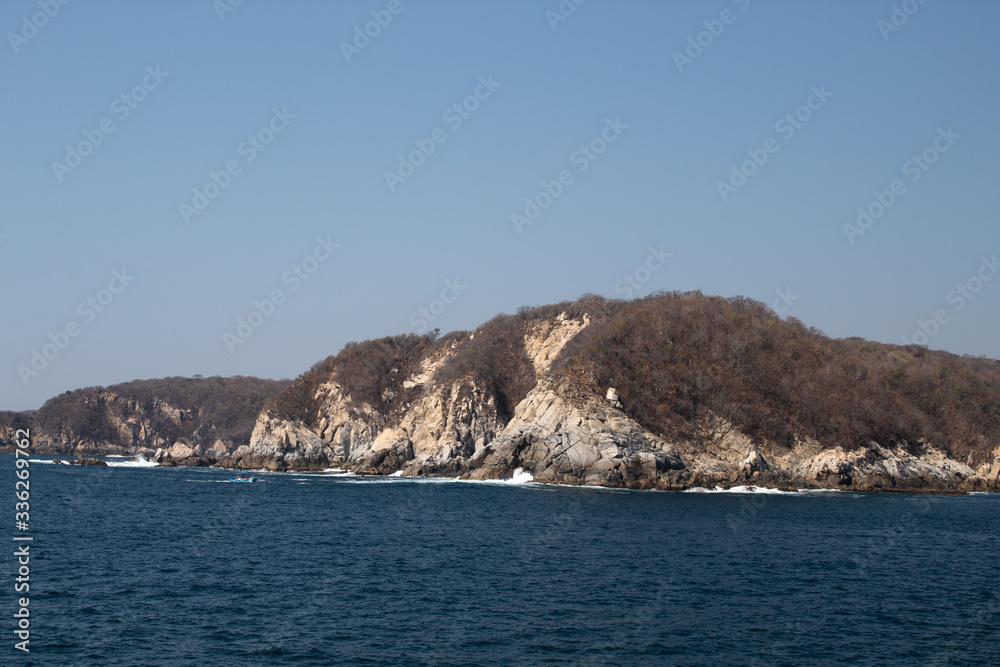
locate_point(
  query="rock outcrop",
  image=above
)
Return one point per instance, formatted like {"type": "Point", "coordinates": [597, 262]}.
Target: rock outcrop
{"type": "Point", "coordinates": [567, 430]}
{"type": "Point", "coordinates": [195, 421]}
{"type": "Point", "coordinates": [82, 461]}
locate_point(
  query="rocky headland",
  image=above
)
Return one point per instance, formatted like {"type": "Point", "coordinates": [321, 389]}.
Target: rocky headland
{"type": "Point", "coordinates": [668, 392]}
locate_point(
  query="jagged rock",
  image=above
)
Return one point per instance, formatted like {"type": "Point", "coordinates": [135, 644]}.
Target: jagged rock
{"type": "Point", "coordinates": [181, 451]}
{"type": "Point", "coordinates": [612, 398]}
{"type": "Point", "coordinates": [277, 444]}
{"type": "Point", "coordinates": [754, 464]}
{"type": "Point", "coordinates": [82, 461]}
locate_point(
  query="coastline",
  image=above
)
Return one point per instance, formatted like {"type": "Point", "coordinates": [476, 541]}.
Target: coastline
{"type": "Point", "coordinates": [521, 478]}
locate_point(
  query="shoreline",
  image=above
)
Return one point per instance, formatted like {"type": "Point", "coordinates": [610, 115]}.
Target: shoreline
{"type": "Point", "coordinates": [723, 488]}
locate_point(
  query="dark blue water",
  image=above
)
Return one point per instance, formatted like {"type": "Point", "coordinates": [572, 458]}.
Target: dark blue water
{"type": "Point", "coordinates": [171, 567]}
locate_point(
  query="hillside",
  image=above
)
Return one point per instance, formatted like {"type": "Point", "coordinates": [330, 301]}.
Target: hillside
{"type": "Point", "coordinates": [669, 391]}
{"type": "Point", "coordinates": [143, 415]}
{"type": "Point", "coordinates": [664, 391]}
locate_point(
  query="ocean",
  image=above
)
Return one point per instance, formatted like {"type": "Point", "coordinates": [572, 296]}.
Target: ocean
{"type": "Point", "coordinates": [137, 565]}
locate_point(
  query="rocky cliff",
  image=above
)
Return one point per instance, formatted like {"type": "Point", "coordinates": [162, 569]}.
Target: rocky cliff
{"type": "Point", "coordinates": [446, 408]}
{"type": "Point", "coordinates": [668, 392]}
{"type": "Point", "coordinates": [210, 416]}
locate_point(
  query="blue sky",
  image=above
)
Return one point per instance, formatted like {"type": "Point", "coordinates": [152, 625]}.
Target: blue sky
{"type": "Point", "coordinates": [201, 90]}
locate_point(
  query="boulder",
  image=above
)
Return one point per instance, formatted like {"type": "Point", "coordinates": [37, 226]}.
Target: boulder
{"type": "Point", "coordinates": [612, 398]}
{"type": "Point", "coordinates": [82, 461]}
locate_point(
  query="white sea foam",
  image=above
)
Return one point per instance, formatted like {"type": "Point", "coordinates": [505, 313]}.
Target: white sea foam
{"type": "Point", "coordinates": [823, 491]}
{"type": "Point", "coordinates": [519, 477]}
{"type": "Point", "coordinates": [594, 487]}
{"type": "Point", "coordinates": [139, 462]}
{"type": "Point", "coordinates": [395, 479]}
{"type": "Point", "coordinates": [761, 490]}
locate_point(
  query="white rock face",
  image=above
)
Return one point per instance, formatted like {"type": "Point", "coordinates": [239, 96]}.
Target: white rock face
{"type": "Point", "coordinates": [428, 367]}
{"type": "Point", "coordinates": [560, 439]}
{"type": "Point", "coordinates": [547, 340]}
{"type": "Point", "coordinates": [278, 444]}
{"type": "Point", "coordinates": [180, 451]}
{"type": "Point", "coordinates": [453, 421]}
{"type": "Point", "coordinates": [612, 398]}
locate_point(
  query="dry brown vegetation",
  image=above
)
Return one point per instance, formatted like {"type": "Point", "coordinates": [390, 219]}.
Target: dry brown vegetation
{"type": "Point", "coordinates": [369, 372]}
{"type": "Point", "coordinates": [677, 358]}
{"type": "Point", "coordinates": [495, 357]}
{"type": "Point", "coordinates": [214, 407]}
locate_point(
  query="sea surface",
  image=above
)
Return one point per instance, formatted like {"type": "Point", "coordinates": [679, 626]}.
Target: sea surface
{"type": "Point", "coordinates": [135, 565]}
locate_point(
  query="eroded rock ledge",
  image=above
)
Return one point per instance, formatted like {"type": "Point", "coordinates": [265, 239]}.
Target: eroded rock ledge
{"type": "Point", "coordinates": [563, 440]}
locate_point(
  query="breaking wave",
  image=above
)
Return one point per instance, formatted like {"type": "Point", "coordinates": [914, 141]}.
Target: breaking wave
{"type": "Point", "coordinates": [760, 490]}
{"type": "Point", "coordinates": [139, 462]}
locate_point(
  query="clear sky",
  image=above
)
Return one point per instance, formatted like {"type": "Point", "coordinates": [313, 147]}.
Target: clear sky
{"type": "Point", "coordinates": [115, 113]}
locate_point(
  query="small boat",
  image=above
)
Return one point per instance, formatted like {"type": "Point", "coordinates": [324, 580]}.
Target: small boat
{"type": "Point", "coordinates": [243, 478]}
